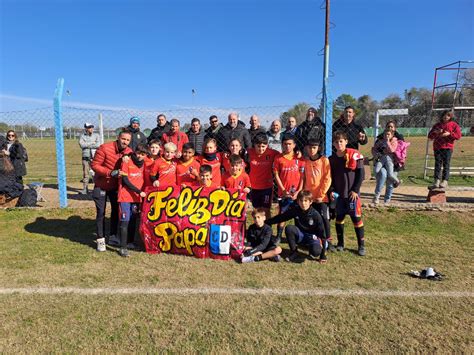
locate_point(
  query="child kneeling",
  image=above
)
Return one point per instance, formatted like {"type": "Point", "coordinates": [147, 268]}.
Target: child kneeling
{"type": "Point", "coordinates": [259, 237]}
{"type": "Point", "coordinates": [308, 229]}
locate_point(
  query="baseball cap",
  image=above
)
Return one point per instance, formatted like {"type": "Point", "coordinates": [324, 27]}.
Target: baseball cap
{"type": "Point", "coordinates": [88, 125]}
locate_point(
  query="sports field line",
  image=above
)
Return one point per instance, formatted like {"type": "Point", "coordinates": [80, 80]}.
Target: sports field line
{"type": "Point", "coordinates": [230, 291]}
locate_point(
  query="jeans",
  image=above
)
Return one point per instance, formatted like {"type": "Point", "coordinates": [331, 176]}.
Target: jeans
{"type": "Point", "coordinates": [442, 161]}
{"type": "Point", "coordinates": [381, 179]}
{"type": "Point", "coordinates": [100, 199]}
{"type": "Point", "coordinates": [386, 162]}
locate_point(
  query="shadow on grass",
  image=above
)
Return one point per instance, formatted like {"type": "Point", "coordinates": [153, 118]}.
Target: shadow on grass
{"type": "Point", "coordinates": [72, 192]}
{"type": "Point", "coordinates": [75, 229]}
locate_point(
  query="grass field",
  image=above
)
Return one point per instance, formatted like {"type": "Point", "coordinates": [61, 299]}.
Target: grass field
{"type": "Point", "coordinates": [42, 159]}
{"type": "Point", "coordinates": [54, 248]}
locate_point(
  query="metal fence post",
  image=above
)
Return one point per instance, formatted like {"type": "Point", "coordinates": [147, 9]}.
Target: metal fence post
{"type": "Point", "coordinates": [61, 163]}
{"type": "Point", "coordinates": [101, 129]}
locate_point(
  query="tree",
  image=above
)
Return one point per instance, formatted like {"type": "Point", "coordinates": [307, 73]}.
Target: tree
{"type": "Point", "coordinates": [342, 101]}
{"type": "Point", "coordinates": [392, 101]}
{"type": "Point", "coordinates": [298, 111]}
{"type": "Point", "coordinates": [367, 108]}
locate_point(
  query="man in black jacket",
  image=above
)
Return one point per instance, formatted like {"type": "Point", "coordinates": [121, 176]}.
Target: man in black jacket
{"type": "Point", "coordinates": [255, 127]}
{"type": "Point", "coordinates": [162, 126]}
{"type": "Point", "coordinates": [137, 136]}
{"type": "Point", "coordinates": [354, 131]}
{"type": "Point", "coordinates": [312, 128]}
{"type": "Point", "coordinates": [234, 129]}
{"type": "Point", "coordinates": [214, 127]}
{"type": "Point", "coordinates": [196, 135]}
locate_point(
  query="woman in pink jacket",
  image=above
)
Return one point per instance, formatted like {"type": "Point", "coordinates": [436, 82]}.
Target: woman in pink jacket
{"type": "Point", "coordinates": [443, 134]}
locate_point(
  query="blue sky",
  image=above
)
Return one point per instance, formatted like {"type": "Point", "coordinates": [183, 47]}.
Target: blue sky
{"type": "Point", "coordinates": [234, 53]}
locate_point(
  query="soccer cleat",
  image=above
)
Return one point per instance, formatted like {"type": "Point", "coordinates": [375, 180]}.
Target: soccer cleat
{"type": "Point", "coordinates": [331, 247]}
{"type": "Point", "coordinates": [292, 257]}
{"type": "Point", "coordinates": [340, 248]}
{"type": "Point", "coordinates": [361, 251]}
{"type": "Point", "coordinates": [114, 241]}
{"type": "Point", "coordinates": [443, 184]}
{"type": "Point", "coordinates": [247, 259]}
{"type": "Point", "coordinates": [276, 258]}
{"type": "Point", "coordinates": [124, 252]}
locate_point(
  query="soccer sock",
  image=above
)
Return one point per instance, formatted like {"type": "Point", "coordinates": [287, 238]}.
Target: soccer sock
{"type": "Point", "coordinates": [123, 230]}
{"type": "Point", "coordinates": [359, 231]}
{"type": "Point", "coordinates": [258, 257]}
{"type": "Point", "coordinates": [340, 232]}
{"type": "Point", "coordinates": [279, 232]}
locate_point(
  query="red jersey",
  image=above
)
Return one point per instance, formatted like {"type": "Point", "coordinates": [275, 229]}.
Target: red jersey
{"type": "Point", "coordinates": [178, 138]}
{"type": "Point", "coordinates": [226, 163]}
{"type": "Point", "coordinates": [135, 176]}
{"type": "Point", "coordinates": [149, 162]}
{"type": "Point", "coordinates": [261, 175]}
{"type": "Point", "coordinates": [290, 170]}
{"type": "Point", "coordinates": [166, 171]}
{"type": "Point", "coordinates": [216, 166]}
{"type": "Point", "coordinates": [238, 182]}
{"type": "Point", "coordinates": [183, 172]}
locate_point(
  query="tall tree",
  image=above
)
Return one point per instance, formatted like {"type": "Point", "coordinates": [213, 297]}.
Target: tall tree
{"type": "Point", "coordinates": [298, 111]}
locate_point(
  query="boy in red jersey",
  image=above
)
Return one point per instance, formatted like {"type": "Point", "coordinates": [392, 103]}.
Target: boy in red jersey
{"type": "Point", "coordinates": [154, 148]}
{"type": "Point", "coordinates": [187, 169]}
{"type": "Point", "coordinates": [205, 177]}
{"type": "Point", "coordinates": [288, 170]}
{"type": "Point", "coordinates": [237, 178]}
{"type": "Point", "coordinates": [211, 157]}
{"type": "Point", "coordinates": [130, 193]}
{"type": "Point", "coordinates": [163, 172]}
{"type": "Point", "coordinates": [261, 162]}
{"type": "Point", "coordinates": [347, 173]}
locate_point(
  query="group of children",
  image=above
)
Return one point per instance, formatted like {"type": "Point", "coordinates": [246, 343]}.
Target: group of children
{"type": "Point", "coordinates": [308, 183]}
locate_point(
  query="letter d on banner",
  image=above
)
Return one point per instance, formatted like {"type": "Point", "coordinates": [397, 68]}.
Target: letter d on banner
{"type": "Point", "coordinates": [219, 242]}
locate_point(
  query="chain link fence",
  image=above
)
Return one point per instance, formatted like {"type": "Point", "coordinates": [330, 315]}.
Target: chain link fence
{"type": "Point", "coordinates": [35, 129]}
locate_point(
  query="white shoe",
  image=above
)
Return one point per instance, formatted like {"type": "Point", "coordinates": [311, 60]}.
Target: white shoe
{"type": "Point", "coordinates": [435, 184]}
{"type": "Point", "coordinates": [101, 244]}
{"type": "Point", "coordinates": [247, 259]}
{"type": "Point", "coordinates": [444, 184]}
{"type": "Point", "coordinates": [114, 241]}
{"type": "Point", "coordinates": [375, 200]}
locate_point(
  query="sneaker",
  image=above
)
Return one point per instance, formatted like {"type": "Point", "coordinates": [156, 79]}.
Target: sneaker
{"type": "Point", "coordinates": [292, 257]}
{"type": "Point", "coordinates": [114, 241]}
{"type": "Point", "coordinates": [276, 258]}
{"type": "Point", "coordinates": [247, 259]}
{"type": "Point", "coordinates": [436, 184]}
{"type": "Point", "coordinates": [443, 184]}
{"type": "Point", "coordinates": [361, 251]}
{"type": "Point", "coordinates": [397, 183]}
{"type": "Point", "coordinates": [375, 200]}
{"type": "Point", "coordinates": [387, 203]}
{"type": "Point", "coordinates": [124, 252]}
{"type": "Point", "coordinates": [331, 247]}
{"type": "Point", "coordinates": [340, 248]}
{"type": "Point", "coordinates": [101, 244]}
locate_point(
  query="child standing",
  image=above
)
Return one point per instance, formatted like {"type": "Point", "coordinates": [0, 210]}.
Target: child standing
{"type": "Point", "coordinates": [347, 173]}
{"type": "Point", "coordinates": [261, 245]}
{"type": "Point", "coordinates": [317, 179]}
{"type": "Point", "coordinates": [163, 172]}
{"type": "Point", "coordinates": [187, 169]}
{"type": "Point", "coordinates": [261, 162]}
{"type": "Point", "coordinates": [443, 134]}
{"type": "Point", "coordinates": [288, 171]}
{"type": "Point", "coordinates": [235, 147]}
{"type": "Point", "coordinates": [308, 229]}
{"type": "Point", "coordinates": [130, 193]}
{"type": "Point", "coordinates": [237, 178]}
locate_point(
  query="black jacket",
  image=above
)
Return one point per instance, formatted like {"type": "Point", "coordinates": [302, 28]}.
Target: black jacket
{"type": "Point", "coordinates": [352, 130]}
{"type": "Point", "coordinates": [259, 238]}
{"type": "Point", "coordinates": [254, 132]}
{"type": "Point", "coordinates": [138, 137]}
{"type": "Point", "coordinates": [157, 132]}
{"type": "Point", "coordinates": [313, 129]}
{"type": "Point", "coordinates": [18, 157]}
{"type": "Point", "coordinates": [227, 133]}
{"type": "Point", "coordinates": [197, 139]}
{"type": "Point", "coordinates": [212, 133]}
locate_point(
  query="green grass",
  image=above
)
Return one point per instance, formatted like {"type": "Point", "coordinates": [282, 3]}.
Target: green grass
{"type": "Point", "coordinates": [42, 159]}
{"type": "Point", "coordinates": [54, 248]}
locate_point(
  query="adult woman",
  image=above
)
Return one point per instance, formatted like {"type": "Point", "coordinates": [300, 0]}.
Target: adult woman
{"type": "Point", "coordinates": [17, 154]}
{"type": "Point", "coordinates": [381, 174]}
{"type": "Point", "coordinates": [8, 185]}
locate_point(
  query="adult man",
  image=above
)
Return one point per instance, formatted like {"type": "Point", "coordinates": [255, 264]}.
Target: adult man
{"type": "Point", "coordinates": [137, 136]}
{"type": "Point", "coordinates": [214, 127]}
{"type": "Point", "coordinates": [274, 136]}
{"type": "Point", "coordinates": [354, 131]}
{"type": "Point", "coordinates": [175, 136]}
{"type": "Point", "coordinates": [255, 127]}
{"type": "Point", "coordinates": [162, 126]}
{"type": "Point", "coordinates": [311, 128]}
{"type": "Point", "coordinates": [196, 135]}
{"type": "Point", "coordinates": [234, 129]}
{"type": "Point", "coordinates": [89, 142]}
{"type": "Point", "coordinates": [291, 126]}
{"type": "Point", "coordinates": [106, 165]}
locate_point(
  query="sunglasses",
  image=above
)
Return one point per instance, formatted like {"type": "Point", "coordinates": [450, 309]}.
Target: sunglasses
{"type": "Point", "coordinates": [214, 121]}
{"type": "Point", "coordinates": [10, 135]}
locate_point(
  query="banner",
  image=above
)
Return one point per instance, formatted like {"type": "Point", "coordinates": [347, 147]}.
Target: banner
{"type": "Point", "coordinates": [195, 221]}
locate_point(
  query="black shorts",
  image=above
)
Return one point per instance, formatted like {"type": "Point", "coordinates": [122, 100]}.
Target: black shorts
{"type": "Point", "coordinates": [261, 198]}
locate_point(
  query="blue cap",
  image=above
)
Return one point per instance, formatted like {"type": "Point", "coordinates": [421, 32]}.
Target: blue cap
{"type": "Point", "coordinates": [134, 119]}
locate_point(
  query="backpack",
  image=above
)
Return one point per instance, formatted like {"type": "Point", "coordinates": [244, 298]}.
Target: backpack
{"type": "Point", "coordinates": [28, 198]}
{"type": "Point", "coordinates": [401, 152]}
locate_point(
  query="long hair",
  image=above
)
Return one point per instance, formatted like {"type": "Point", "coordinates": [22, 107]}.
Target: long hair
{"type": "Point", "coordinates": [12, 131]}
{"type": "Point", "coordinates": [6, 166]}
